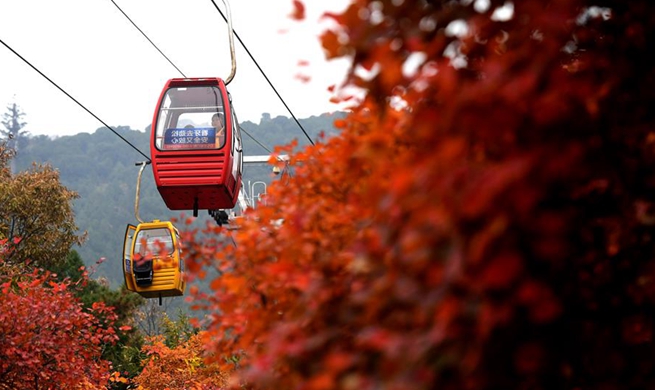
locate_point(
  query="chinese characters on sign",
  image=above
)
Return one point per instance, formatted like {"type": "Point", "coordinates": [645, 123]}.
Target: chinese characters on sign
{"type": "Point", "coordinates": [198, 138]}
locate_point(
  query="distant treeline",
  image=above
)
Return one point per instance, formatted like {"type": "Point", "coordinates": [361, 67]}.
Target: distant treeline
{"type": "Point", "coordinates": [101, 168]}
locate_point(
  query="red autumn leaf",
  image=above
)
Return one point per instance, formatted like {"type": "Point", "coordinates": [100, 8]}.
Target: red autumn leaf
{"type": "Point", "coordinates": [331, 44]}
{"type": "Point", "coordinates": [502, 271]}
{"type": "Point", "coordinates": [298, 10]}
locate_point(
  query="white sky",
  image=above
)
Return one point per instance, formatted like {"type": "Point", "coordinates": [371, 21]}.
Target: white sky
{"type": "Point", "coordinates": [92, 51]}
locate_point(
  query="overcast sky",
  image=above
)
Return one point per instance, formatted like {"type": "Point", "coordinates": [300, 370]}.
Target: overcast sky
{"type": "Point", "coordinates": [91, 50]}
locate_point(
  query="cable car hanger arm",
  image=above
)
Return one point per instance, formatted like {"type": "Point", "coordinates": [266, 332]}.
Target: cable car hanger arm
{"type": "Point", "coordinates": [138, 189]}
{"type": "Point", "coordinates": [230, 34]}
{"type": "Point", "coordinates": [229, 21]}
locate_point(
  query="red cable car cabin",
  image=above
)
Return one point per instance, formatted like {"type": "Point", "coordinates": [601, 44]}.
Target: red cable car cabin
{"type": "Point", "coordinates": [197, 166]}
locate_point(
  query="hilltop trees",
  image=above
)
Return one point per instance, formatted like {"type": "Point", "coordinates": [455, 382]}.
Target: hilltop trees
{"type": "Point", "coordinates": [484, 221]}
{"type": "Point", "coordinates": [37, 212]}
{"type": "Point", "coordinates": [13, 123]}
{"type": "Point", "coordinates": [36, 216]}
{"type": "Point", "coordinates": [13, 132]}
{"type": "Point", "coordinates": [6, 154]}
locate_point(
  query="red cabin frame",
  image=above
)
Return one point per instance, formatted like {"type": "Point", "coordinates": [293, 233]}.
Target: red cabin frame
{"type": "Point", "coordinates": [194, 168]}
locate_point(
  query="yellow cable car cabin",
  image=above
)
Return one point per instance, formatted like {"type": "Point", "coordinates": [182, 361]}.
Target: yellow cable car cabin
{"type": "Point", "coordinates": [152, 265]}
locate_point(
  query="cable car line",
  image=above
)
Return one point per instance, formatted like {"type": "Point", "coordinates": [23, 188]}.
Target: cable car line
{"type": "Point", "coordinates": [266, 77]}
{"type": "Point", "coordinates": [253, 138]}
{"type": "Point", "coordinates": [151, 42]}
{"type": "Point", "coordinates": [75, 100]}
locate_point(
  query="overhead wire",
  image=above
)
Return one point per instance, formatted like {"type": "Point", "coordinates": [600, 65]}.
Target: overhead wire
{"type": "Point", "coordinates": [253, 138]}
{"type": "Point", "coordinates": [264, 74]}
{"type": "Point", "coordinates": [151, 42]}
{"type": "Point", "coordinates": [75, 100]}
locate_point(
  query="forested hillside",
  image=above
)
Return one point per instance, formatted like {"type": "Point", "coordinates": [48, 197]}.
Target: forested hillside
{"type": "Point", "coordinates": [100, 167]}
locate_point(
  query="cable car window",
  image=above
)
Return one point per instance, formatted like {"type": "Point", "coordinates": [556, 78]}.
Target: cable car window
{"type": "Point", "coordinates": [236, 141]}
{"type": "Point", "coordinates": [184, 120]}
{"type": "Point", "coordinates": [177, 238]}
{"type": "Point", "coordinates": [127, 248]}
{"type": "Point", "coordinates": [154, 242]}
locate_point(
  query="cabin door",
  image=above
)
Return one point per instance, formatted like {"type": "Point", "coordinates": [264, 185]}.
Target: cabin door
{"type": "Point", "coordinates": [127, 257]}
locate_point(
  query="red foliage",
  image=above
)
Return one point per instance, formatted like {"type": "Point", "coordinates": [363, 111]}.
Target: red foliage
{"type": "Point", "coordinates": [181, 367]}
{"type": "Point", "coordinates": [483, 222]}
{"type": "Point", "coordinates": [298, 10]}
{"type": "Point", "coordinates": [47, 340]}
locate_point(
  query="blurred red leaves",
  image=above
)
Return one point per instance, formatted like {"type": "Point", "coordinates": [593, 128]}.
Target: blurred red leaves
{"type": "Point", "coordinates": [298, 10]}
{"type": "Point", "coordinates": [482, 222]}
{"type": "Point", "coordinates": [501, 271]}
